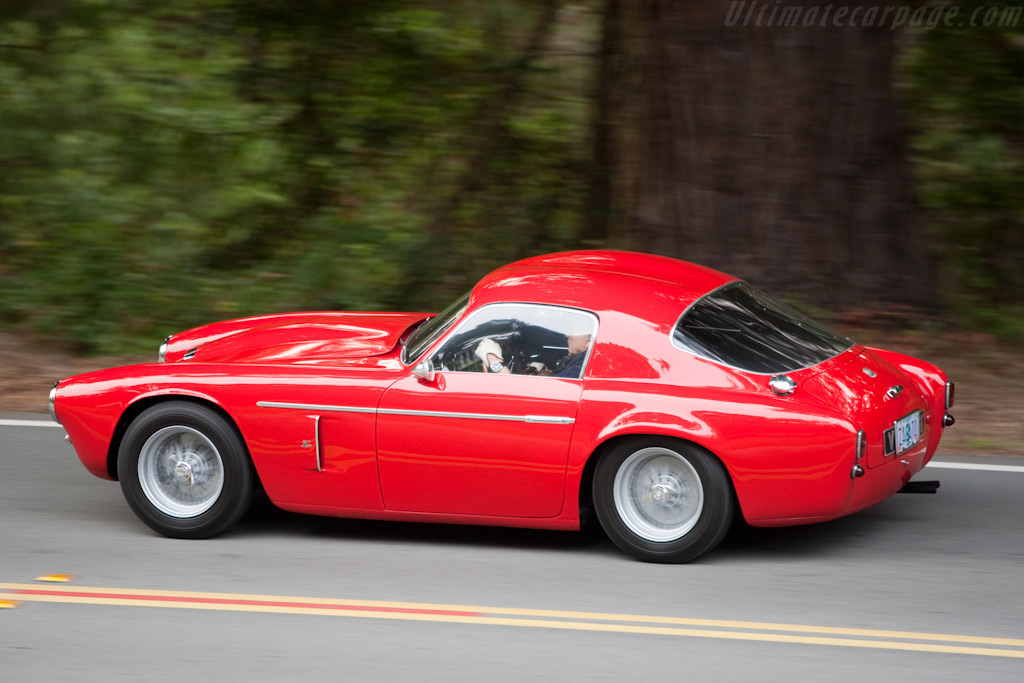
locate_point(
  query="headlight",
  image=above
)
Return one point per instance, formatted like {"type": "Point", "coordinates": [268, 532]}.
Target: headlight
{"type": "Point", "coordinates": [53, 402]}
{"type": "Point", "coordinates": [161, 355]}
{"type": "Point", "coordinates": [950, 394]}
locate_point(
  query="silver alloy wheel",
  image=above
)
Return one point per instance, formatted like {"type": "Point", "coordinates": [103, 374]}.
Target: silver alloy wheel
{"type": "Point", "coordinates": [181, 471]}
{"type": "Point", "coordinates": [658, 494]}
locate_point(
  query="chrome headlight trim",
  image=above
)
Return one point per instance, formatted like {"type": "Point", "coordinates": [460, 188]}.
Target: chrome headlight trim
{"type": "Point", "coordinates": [161, 355]}
{"type": "Point", "coordinates": [52, 402]}
{"type": "Point", "coordinates": [950, 393]}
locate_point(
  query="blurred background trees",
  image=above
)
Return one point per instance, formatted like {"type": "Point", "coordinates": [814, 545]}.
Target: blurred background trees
{"type": "Point", "coordinates": [165, 164]}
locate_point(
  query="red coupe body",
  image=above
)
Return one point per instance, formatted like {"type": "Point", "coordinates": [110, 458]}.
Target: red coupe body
{"type": "Point", "coordinates": [338, 421]}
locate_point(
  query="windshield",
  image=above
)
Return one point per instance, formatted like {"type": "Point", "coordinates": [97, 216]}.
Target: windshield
{"type": "Point", "coordinates": [429, 331]}
{"type": "Point", "coordinates": [746, 329]}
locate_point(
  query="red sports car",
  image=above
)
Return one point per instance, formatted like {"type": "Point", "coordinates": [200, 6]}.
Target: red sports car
{"type": "Point", "coordinates": [663, 396]}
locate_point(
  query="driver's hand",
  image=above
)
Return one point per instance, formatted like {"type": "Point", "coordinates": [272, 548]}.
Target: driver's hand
{"type": "Point", "coordinates": [485, 347]}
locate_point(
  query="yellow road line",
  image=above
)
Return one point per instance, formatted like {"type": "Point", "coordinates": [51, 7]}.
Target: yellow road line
{"type": "Point", "coordinates": [554, 619]}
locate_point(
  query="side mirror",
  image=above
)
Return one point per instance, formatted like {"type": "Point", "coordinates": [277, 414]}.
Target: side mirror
{"type": "Point", "coordinates": [424, 370]}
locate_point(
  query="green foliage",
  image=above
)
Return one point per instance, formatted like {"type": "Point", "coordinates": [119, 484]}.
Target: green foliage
{"type": "Point", "coordinates": [966, 99]}
{"type": "Point", "coordinates": [166, 164]}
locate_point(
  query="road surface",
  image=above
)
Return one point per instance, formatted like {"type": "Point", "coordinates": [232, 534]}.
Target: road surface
{"type": "Point", "coordinates": [921, 587]}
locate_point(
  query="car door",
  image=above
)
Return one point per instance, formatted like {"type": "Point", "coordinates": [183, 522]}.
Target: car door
{"type": "Point", "coordinates": [473, 441]}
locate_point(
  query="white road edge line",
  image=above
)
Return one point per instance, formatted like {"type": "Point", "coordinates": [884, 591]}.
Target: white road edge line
{"type": "Point", "coordinates": [971, 466]}
{"type": "Point", "coordinates": [28, 423]}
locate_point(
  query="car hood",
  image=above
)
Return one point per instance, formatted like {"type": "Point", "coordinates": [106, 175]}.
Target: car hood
{"type": "Point", "coordinates": [293, 338]}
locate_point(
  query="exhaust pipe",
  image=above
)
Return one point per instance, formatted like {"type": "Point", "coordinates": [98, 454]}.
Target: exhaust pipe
{"type": "Point", "coordinates": [920, 487]}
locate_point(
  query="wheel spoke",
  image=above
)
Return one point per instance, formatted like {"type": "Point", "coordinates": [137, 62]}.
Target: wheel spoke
{"type": "Point", "coordinates": [181, 471]}
{"type": "Point", "coordinates": [658, 494]}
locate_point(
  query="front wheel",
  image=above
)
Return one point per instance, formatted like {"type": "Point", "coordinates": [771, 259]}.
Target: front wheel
{"type": "Point", "coordinates": [184, 470]}
{"type": "Point", "coordinates": [662, 500]}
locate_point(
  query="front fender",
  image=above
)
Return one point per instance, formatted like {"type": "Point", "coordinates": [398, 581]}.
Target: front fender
{"type": "Point", "coordinates": [92, 407]}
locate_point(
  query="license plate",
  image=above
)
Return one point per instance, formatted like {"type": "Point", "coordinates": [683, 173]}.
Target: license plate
{"type": "Point", "coordinates": [904, 434]}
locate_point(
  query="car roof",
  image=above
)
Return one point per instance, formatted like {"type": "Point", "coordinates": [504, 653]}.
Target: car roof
{"type": "Point", "coordinates": [602, 280]}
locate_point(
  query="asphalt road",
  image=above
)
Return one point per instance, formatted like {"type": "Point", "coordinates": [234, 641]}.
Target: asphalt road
{"type": "Point", "coordinates": [920, 587]}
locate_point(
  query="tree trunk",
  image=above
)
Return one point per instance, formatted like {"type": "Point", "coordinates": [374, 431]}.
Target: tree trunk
{"type": "Point", "coordinates": [600, 199]}
{"type": "Point", "coordinates": [771, 152]}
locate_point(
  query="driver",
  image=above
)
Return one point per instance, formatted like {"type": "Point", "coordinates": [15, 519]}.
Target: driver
{"type": "Point", "coordinates": [577, 342]}
{"type": "Point", "coordinates": [489, 354]}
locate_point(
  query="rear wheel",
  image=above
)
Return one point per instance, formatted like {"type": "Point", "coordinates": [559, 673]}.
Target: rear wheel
{"type": "Point", "coordinates": [662, 500]}
{"type": "Point", "coordinates": [184, 470]}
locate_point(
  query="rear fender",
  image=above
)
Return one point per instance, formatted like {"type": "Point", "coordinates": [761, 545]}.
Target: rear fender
{"type": "Point", "coordinates": [786, 457]}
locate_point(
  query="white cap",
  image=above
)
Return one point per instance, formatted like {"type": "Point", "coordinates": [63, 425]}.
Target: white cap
{"type": "Point", "coordinates": [580, 325]}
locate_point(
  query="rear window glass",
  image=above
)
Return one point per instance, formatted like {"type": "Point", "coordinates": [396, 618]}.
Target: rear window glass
{"type": "Point", "coordinates": [746, 329]}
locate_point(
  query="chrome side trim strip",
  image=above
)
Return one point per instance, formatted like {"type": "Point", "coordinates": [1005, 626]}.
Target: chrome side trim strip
{"type": "Point", "coordinates": [313, 406]}
{"type": "Point", "coordinates": [543, 419]}
{"type": "Point", "coordinates": [316, 442]}
{"type": "Point", "coordinates": [481, 416]}
{"type": "Point", "coordinates": [532, 419]}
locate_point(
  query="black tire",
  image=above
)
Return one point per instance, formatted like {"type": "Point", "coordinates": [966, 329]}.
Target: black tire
{"type": "Point", "coordinates": [185, 471]}
{"type": "Point", "coordinates": [663, 500]}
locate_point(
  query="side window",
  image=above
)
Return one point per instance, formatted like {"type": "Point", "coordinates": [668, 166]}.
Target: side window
{"type": "Point", "coordinates": [522, 339]}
